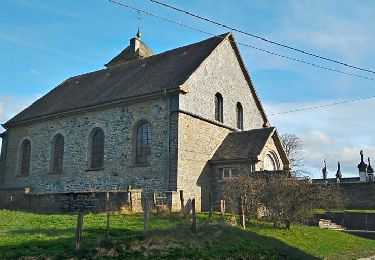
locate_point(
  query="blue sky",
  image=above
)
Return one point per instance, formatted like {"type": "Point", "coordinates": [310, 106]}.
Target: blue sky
{"type": "Point", "coordinates": [44, 42]}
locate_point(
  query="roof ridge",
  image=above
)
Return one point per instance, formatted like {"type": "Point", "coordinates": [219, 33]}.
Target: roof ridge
{"type": "Point", "coordinates": [136, 78]}
{"type": "Point", "coordinates": [221, 36]}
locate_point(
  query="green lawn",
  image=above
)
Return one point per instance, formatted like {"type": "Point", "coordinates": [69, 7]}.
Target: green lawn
{"type": "Point", "coordinates": [52, 236]}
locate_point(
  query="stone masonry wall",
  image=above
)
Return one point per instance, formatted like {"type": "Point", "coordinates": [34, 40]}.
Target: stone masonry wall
{"type": "Point", "coordinates": [220, 187]}
{"type": "Point", "coordinates": [221, 73]}
{"type": "Point", "coordinates": [359, 195]}
{"type": "Point", "coordinates": [198, 141]}
{"type": "Point", "coordinates": [52, 203]}
{"type": "Point", "coordinates": [118, 124]}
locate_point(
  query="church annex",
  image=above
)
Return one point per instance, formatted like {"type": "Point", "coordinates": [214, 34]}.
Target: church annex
{"type": "Point", "coordinates": [180, 120]}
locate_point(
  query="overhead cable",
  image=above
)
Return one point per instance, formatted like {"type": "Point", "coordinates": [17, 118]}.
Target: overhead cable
{"type": "Point", "coordinates": [239, 43]}
{"type": "Point", "coordinates": [261, 38]}
{"type": "Point", "coordinates": [322, 106]}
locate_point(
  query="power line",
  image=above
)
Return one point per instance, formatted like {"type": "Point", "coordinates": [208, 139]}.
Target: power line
{"type": "Point", "coordinates": [261, 38]}
{"type": "Point", "coordinates": [256, 48]}
{"type": "Point", "coordinates": [239, 43]}
{"type": "Point", "coordinates": [302, 61]}
{"type": "Point", "coordinates": [322, 106]}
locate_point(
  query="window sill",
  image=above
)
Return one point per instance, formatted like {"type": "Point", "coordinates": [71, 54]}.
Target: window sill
{"type": "Point", "coordinates": [21, 175]}
{"type": "Point", "coordinates": [94, 169]}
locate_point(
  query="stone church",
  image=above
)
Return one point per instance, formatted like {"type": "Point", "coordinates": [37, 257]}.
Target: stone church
{"type": "Point", "coordinates": [183, 119]}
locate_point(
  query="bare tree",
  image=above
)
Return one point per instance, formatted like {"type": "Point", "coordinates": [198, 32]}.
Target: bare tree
{"type": "Point", "coordinates": [290, 200]}
{"type": "Point", "coordinates": [294, 149]}
{"type": "Point", "coordinates": [286, 199]}
{"type": "Point", "coordinates": [248, 185]}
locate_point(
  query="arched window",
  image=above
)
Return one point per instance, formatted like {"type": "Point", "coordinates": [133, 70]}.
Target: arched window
{"type": "Point", "coordinates": [25, 157]}
{"type": "Point", "coordinates": [219, 108]}
{"type": "Point", "coordinates": [57, 153]}
{"type": "Point", "coordinates": [239, 111]}
{"type": "Point", "coordinates": [143, 145]}
{"type": "Point", "coordinates": [271, 162]}
{"type": "Point", "coordinates": [97, 149]}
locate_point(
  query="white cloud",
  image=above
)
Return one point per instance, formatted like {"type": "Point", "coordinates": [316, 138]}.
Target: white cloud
{"type": "Point", "coordinates": [336, 133]}
{"type": "Point", "coordinates": [316, 139]}
{"type": "Point", "coordinates": [324, 27]}
{"type": "Point", "coordinates": [34, 72]}
{"type": "Point", "coordinates": [1, 110]}
{"type": "Point", "coordinates": [12, 105]}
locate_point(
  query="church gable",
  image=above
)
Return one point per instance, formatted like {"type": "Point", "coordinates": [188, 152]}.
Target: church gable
{"type": "Point", "coordinates": [261, 148]}
{"type": "Point", "coordinates": [223, 78]}
{"type": "Point", "coordinates": [273, 156]}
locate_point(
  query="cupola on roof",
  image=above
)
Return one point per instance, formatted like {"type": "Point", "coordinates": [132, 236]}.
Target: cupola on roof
{"type": "Point", "coordinates": [135, 51]}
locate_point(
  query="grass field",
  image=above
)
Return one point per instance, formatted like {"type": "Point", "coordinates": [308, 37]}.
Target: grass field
{"type": "Point", "coordinates": [52, 236]}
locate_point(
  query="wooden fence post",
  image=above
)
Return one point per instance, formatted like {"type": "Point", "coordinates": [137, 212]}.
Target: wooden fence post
{"type": "Point", "coordinates": [79, 230]}
{"type": "Point", "coordinates": [107, 213]}
{"type": "Point", "coordinates": [194, 222]}
{"type": "Point", "coordinates": [210, 205]}
{"type": "Point", "coordinates": [241, 211]}
{"type": "Point", "coordinates": [222, 210]}
{"type": "Point", "coordinates": [182, 199]}
{"type": "Point", "coordinates": [146, 216]}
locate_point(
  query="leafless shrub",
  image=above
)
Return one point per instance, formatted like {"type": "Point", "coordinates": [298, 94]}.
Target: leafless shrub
{"type": "Point", "coordinates": [293, 147]}
{"type": "Point", "coordinates": [287, 199]}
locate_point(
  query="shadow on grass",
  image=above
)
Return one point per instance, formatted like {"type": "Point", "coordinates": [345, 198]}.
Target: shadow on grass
{"type": "Point", "coordinates": [210, 241]}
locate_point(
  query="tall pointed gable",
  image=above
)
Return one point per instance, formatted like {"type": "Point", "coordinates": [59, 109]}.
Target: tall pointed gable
{"type": "Point", "coordinates": [246, 73]}
{"type": "Point", "coordinates": [231, 40]}
{"type": "Point", "coordinates": [123, 79]}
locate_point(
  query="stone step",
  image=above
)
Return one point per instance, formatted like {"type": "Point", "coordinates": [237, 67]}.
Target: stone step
{"type": "Point", "coordinates": [324, 223]}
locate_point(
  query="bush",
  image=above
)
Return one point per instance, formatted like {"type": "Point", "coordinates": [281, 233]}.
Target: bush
{"type": "Point", "coordinates": [287, 200]}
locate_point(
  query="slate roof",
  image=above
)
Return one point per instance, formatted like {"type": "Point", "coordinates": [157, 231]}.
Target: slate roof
{"type": "Point", "coordinates": [243, 145]}
{"type": "Point", "coordinates": [154, 74]}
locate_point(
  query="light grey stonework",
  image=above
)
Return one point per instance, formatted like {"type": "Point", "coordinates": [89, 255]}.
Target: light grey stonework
{"type": "Point", "coordinates": [118, 124]}
{"type": "Point", "coordinates": [198, 141]}
{"type": "Point", "coordinates": [221, 72]}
